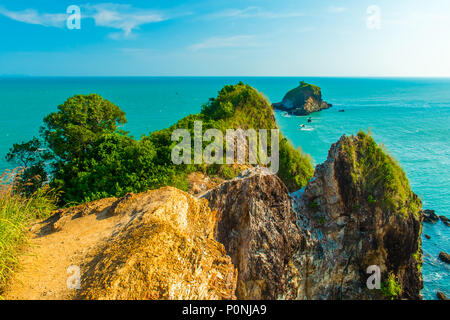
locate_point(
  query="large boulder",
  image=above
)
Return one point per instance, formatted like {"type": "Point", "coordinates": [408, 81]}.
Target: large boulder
{"type": "Point", "coordinates": [303, 100]}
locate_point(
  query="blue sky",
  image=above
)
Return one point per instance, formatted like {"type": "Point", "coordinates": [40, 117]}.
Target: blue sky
{"type": "Point", "coordinates": [227, 38]}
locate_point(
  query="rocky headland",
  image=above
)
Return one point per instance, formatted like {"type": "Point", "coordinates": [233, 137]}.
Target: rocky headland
{"type": "Point", "coordinates": [246, 238]}
{"type": "Point", "coordinates": [299, 234]}
{"type": "Point", "coordinates": [303, 100]}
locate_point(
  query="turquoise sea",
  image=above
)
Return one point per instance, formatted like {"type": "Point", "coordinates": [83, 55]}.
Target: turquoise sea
{"type": "Point", "coordinates": [411, 117]}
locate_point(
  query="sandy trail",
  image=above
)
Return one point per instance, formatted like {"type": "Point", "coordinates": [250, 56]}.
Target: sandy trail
{"type": "Point", "coordinates": [44, 267]}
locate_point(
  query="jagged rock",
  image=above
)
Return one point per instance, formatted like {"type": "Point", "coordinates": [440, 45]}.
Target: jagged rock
{"type": "Point", "coordinates": [303, 100]}
{"type": "Point", "coordinates": [430, 216]}
{"type": "Point", "coordinates": [427, 236]}
{"type": "Point", "coordinates": [345, 209]}
{"type": "Point", "coordinates": [441, 296]}
{"type": "Point", "coordinates": [444, 257]}
{"type": "Point", "coordinates": [256, 224]}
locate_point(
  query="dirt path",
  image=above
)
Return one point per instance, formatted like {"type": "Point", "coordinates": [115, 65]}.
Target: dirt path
{"type": "Point", "coordinates": [43, 273]}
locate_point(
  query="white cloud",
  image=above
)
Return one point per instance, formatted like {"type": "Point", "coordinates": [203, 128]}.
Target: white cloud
{"type": "Point", "coordinates": [335, 9]}
{"type": "Point", "coordinates": [225, 42]}
{"type": "Point", "coordinates": [31, 16]}
{"type": "Point", "coordinates": [122, 17]}
{"type": "Point", "coordinates": [253, 12]}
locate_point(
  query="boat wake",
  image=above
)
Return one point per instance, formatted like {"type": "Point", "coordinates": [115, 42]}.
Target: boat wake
{"type": "Point", "coordinates": [306, 129]}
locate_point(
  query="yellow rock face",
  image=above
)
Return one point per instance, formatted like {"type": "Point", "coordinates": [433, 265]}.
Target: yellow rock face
{"type": "Point", "coordinates": [154, 245]}
{"type": "Point", "coordinates": [163, 250]}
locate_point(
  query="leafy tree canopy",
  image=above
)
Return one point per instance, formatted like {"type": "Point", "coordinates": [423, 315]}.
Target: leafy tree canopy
{"type": "Point", "coordinates": [79, 122]}
{"type": "Point", "coordinates": [84, 154]}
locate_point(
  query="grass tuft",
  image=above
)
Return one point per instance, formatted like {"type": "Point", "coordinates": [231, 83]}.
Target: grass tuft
{"type": "Point", "coordinates": [16, 214]}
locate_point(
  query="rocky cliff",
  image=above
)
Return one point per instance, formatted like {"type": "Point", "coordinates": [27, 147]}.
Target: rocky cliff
{"type": "Point", "coordinates": [356, 212]}
{"type": "Point", "coordinates": [246, 238]}
{"type": "Point", "coordinates": [303, 100]}
{"type": "Point", "coordinates": [359, 211]}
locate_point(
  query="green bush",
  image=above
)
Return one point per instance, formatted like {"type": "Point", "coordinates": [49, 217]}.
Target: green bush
{"type": "Point", "coordinates": [313, 88]}
{"type": "Point", "coordinates": [391, 288]}
{"type": "Point", "coordinates": [379, 176]}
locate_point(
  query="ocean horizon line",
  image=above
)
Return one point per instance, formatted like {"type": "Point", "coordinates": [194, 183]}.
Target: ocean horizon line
{"type": "Point", "coordinates": [217, 76]}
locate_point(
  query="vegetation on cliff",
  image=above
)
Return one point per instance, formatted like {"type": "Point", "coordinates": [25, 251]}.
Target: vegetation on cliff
{"type": "Point", "coordinates": [241, 106]}
{"type": "Point", "coordinates": [84, 154]}
{"type": "Point", "coordinates": [380, 176]}
{"type": "Point", "coordinates": [303, 87]}
{"type": "Point", "coordinates": [390, 288]}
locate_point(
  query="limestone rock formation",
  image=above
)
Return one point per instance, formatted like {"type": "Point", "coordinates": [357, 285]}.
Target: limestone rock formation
{"type": "Point", "coordinates": [360, 211]}
{"type": "Point", "coordinates": [303, 100]}
{"type": "Point", "coordinates": [445, 220]}
{"type": "Point", "coordinates": [256, 224]}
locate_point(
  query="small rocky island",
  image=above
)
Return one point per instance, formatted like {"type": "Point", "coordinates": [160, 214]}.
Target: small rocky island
{"type": "Point", "coordinates": [303, 100]}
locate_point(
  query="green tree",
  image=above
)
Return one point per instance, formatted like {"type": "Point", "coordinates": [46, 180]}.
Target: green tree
{"type": "Point", "coordinates": [79, 122]}
{"type": "Point", "coordinates": [31, 157]}
{"type": "Point", "coordinates": [70, 137]}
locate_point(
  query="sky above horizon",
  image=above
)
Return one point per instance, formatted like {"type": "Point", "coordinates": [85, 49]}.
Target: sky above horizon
{"type": "Point", "coordinates": [384, 38]}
